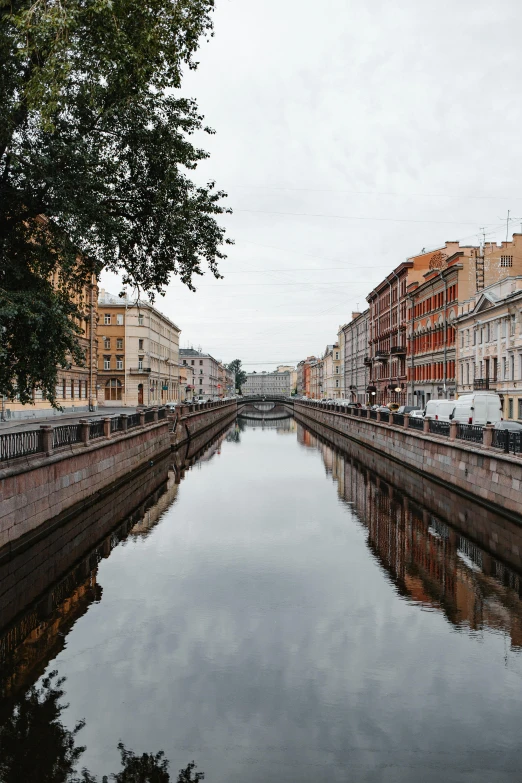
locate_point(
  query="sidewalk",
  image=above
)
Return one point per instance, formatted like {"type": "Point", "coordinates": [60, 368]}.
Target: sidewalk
{"type": "Point", "coordinates": [19, 425]}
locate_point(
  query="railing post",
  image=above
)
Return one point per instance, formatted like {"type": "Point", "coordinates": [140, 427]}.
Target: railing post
{"type": "Point", "coordinates": [85, 430]}
{"type": "Point", "coordinates": [47, 439]}
{"type": "Point", "coordinates": [368, 411]}
{"type": "Point", "coordinates": [426, 426]}
{"type": "Point", "coordinates": [142, 418]}
{"type": "Point", "coordinates": [155, 414]}
{"type": "Point", "coordinates": [487, 435]}
{"type": "Point", "coordinates": [453, 430]}
{"type": "Point", "coordinates": [107, 427]}
{"type": "Point", "coordinates": [124, 422]}
{"type": "Point", "coordinates": [378, 415]}
{"type": "Point", "coordinates": [390, 417]}
{"type": "Point", "coordinates": [406, 421]}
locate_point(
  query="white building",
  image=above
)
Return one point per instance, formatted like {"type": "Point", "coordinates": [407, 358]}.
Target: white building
{"type": "Point", "coordinates": [207, 373]}
{"type": "Point", "coordinates": [489, 344]}
{"type": "Point", "coordinates": [268, 383]}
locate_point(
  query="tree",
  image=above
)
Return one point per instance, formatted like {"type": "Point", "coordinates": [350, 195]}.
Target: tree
{"type": "Point", "coordinates": [241, 375]}
{"type": "Point", "coordinates": [95, 137]}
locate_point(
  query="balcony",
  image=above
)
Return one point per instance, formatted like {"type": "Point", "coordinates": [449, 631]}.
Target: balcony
{"type": "Point", "coordinates": [381, 355]}
{"type": "Point", "coordinates": [398, 349]}
{"type": "Point", "coordinates": [139, 370]}
{"type": "Point", "coordinates": [484, 384]}
{"type": "Point", "coordinates": [367, 360]}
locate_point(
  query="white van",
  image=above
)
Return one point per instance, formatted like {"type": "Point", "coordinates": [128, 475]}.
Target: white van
{"type": "Point", "coordinates": [478, 408]}
{"type": "Point", "coordinates": [440, 410]}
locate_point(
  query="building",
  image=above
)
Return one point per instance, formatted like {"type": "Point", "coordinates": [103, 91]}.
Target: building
{"type": "Point", "coordinates": [186, 382]}
{"type": "Point", "coordinates": [207, 377]}
{"type": "Point", "coordinates": [267, 384]}
{"type": "Point", "coordinates": [433, 305]}
{"type": "Point", "coordinates": [387, 326]}
{"type": "Point", "coordinates": [230, 380]}
{"type": "Point", "coordinates": [75, 386]}
{"type": "Point", "coordinates": [355, 359]}
{"type": "Point", "coordinates": [341, 344]}
{"type": "Point", "coordinates": [293, 375]}
{"type": "Point", "coordinates": [331, 388]}
{"type": "Point", "coordinates": [316, 379]}
{"type": "Point", "coordinates": [489, 340]}
{"type": "Point", "coordinates": [138, 353]}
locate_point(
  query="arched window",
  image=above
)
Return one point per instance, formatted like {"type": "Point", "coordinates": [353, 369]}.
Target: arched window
{"type": "Point", "coordinates": [113, 389]}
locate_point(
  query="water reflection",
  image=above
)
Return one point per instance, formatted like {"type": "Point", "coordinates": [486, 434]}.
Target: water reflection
{"type": "Point", "coordinates": [429, 561]}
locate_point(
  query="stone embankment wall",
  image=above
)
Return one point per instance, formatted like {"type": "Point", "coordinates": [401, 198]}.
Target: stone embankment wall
{"type": "Point", "coordinates": [487, 475]}
{"type": "Point", "coordinates": [40, 487]}
{"type": "Point", "coordinates": [486, 527]}
{"type": "Point", "coordinates": [192, 420]}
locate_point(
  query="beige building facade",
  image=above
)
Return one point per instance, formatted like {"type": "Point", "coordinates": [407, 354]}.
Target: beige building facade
{"type": "Point", "coordinates": [356, 362]}
{"type": "Point", "coordinates": [267, 383]}
{"type": "Point", "coordinates": [138, 354]}
{"type": "Point", "coordinates": [489, 344]}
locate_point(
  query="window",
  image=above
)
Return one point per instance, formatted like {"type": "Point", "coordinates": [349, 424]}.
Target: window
{"type": "Point", "coordinates": [140, 345]}
{"type": "Point", "coordinates": [113, 389]}
{"type": "Point", "coordinates": [107, 343]}
{"type": "Point", "coordinates": [192, 362]}
{"type": "Point", "coordinates": [506, 260]}
{"type": "Point", "coordinates": [510, 408]}
{"type": "Point", "coordinates": [140, 362]}
{"type": "Point", "coordinates": [513, 324]}
{"type": "Point", "coordinates": [107, 318]}
{"type": "Point", "coordinates": [462, 339]}
{"type": "Point", "coordinates": [106, 362]}
{"type": "Point", "coordinates": [119, 319]}
{"type": "Point", "coordinates": [201, 391]}
{"type": "Point", "coordinates": [504, 368]}
{"type": "Point", "coordinates": [337, 355]}
{"type": "Point", "coordinates": [119, 343]}
{"type": "Point", "coordinates": [512, 366]}
{"type": "Point", "coordinates": [64, 389]}
{"type": "Point", "coordinates": [474, 336]}
{"type": "Point", "coordinates": [140, 319]}
{"type": "Point", "coordinates": [519, 414]}
{"type": "Point", "coordinates": [72, 390]}
{"type": "Point", "coordinates": [201, 361]}
{"type": "Point", "coordinates": [119, 362]}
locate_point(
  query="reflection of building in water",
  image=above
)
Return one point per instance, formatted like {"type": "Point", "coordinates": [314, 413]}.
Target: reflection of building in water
{"type": "Point", "coordinates": [283, 424]}
{"type": "Point", "coordinates": [428, 560]}
{"type": "Point", "coordinates": [155, 509]}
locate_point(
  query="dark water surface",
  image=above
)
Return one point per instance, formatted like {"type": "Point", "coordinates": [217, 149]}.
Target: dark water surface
{"type": "Point", "coordinates": [283, 614]}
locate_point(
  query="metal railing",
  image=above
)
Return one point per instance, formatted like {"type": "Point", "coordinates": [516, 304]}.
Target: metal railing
{"type": "Point", "coordinates": [96, 429]}
{"type": "Point", "coordinates": [440, 427]}
{"type": "Point", "coordinates": [373, 415]}
{"type": "Point", "coordinates": [398, 419]}
{"type": "Point", "coordinates": [385, 416]}
{"type": "Point", "coordinates": [133, 420]}
{"type": "Point", "coordinates": [415, 423]}
{"type": "Point", "coordinates": [470, 432]}
{"type": "Point", "coordinates": [162, 413]}
{"type": "Point", "coordinates": [149, 416]}
{"type": "Point", "coordinates": [20, 444]}
{"type": "Point", "coordinates": [66, 435]}
{"type": "Point", "coordinates": [509, 441]}
{"type": "Point", "coordinates": [116, 424]}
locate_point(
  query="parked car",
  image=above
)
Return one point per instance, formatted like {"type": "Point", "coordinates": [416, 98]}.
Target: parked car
{"type": "Point", "coordinates": [407, 409]}
{"type": "Point", "coordinates": [171, 406]}
{"type": "Point", "coordinates": [512, 426]}
{"type": "Point", "coordinates": [416, 413]}
{"type": "Point", "coordinates": [478, 408]}
{"type": "Point", "coordinates": [440, 410]}
{"type": "Point", "coordinates": [392, 406]}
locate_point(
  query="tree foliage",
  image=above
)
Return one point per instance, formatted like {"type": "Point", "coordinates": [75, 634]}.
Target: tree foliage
{"type": "Point", "coordinates": [95, 136]}
{"type": "Point", "coordinates": [241, 376]}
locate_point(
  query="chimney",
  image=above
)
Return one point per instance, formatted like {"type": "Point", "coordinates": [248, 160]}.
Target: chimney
{"type": "Point", "coordinates": [355, 315]}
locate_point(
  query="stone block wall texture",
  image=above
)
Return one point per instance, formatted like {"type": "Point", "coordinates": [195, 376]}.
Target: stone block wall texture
{"type": "Point", "coordinates": [35, 490]}
{"type": "Point", "coordinates": [490, 477]}
{"type": "Point", "coordinates": [193, 424]}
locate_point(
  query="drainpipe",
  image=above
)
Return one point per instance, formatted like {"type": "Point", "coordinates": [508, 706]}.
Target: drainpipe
{"type": "Point", "coordinates": [445, 331]}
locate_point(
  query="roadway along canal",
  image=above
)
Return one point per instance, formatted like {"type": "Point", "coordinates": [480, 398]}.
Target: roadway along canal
{"type": "Point", "coordinates": [283, 614]}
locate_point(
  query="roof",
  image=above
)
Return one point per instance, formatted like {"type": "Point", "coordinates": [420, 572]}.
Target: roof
{"type": "Point", "coordinates": [106, 299]}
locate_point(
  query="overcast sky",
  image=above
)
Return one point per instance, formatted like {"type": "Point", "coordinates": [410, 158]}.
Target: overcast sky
{"type": "Point", "coordinates": [349, 136]}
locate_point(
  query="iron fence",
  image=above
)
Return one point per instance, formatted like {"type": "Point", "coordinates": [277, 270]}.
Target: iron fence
{"type": "Point", "coordinates": [510, 441]}
{"type": "Point", "coordinates": [20, 444]}
{"type": "Point", "coordinates": [116, 424]}
{"type": "Point", "coordinates": [149, 416]}
{"type": "Point", "coordinates": [162, 413]}
{"type": "Point", "coordinates": [385, 416]}
{"type": "Point", "coordinates": [133, 420]}
{"type": "Point", "coordinates": [439, 427]}
{"type": "Point", "coordinates": [398, 419]}
{"type": "Point", "coordinates": [66, 435]}
{"type": "Point", "coordinates": [470, 432]}
{"type": "Point", "coordinates": [96, 429]}
{"type": "Point", "coordinates": [373, 415]}
{"type": "Point", "coordinates": [415, 423]}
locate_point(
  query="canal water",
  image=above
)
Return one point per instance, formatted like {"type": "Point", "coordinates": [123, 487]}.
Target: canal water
{"type": "Point", "coordinates": [283, 613]}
